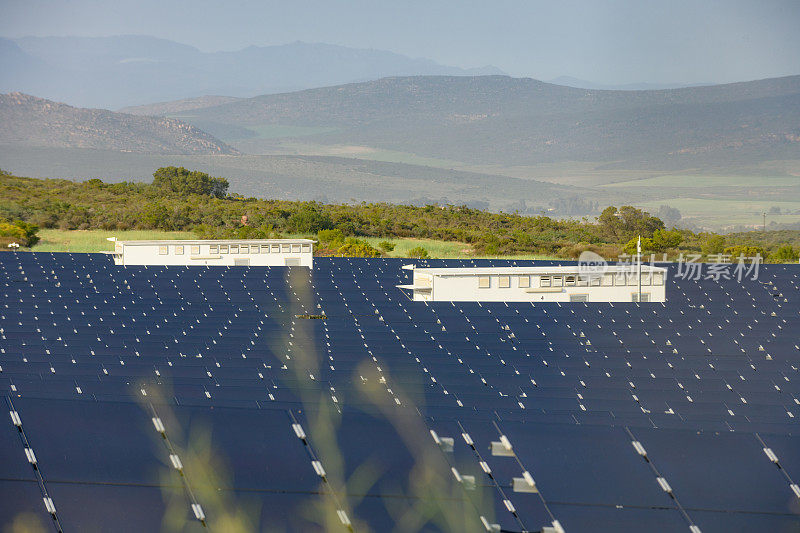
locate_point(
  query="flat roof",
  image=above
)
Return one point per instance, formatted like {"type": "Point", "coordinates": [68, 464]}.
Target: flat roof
{"type": "Point", "coordinates": [569, 269]}
{"type": "Point", "coordinates": [219, 241]}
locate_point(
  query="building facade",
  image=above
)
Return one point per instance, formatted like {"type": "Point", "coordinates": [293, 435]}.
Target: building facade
{"type": "Point", "coordinates": [538, 284]}
{"type": "Point", "coordinates": [233, 252]}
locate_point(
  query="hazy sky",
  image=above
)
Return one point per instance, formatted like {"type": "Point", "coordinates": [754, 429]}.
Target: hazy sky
{"type": "Point", "coordinates": [613, 41]}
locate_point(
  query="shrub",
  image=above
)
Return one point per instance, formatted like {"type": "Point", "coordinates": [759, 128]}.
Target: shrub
{"type": "Point", "coordinates": [386, 246]}
{"type": "Point", "coordinates": [357, 248]}
{"type": "Point", "coordinates": [418, 253]}
{"type": "Point", "coordinates": [784, 254]}
{"type": "Point", "coordinates": [20, 232]}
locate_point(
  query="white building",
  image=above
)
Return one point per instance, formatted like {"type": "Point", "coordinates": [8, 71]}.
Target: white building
{"type": "Point", "coordinates": [234, 252]}
{"type": "Point", "coordinates": [619, 283]}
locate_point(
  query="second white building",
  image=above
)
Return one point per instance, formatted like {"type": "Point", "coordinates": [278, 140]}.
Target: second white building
{"type": "Point", "coordinates": [538, 284]}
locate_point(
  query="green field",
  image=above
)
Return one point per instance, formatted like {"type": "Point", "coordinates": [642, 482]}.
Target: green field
{"type": "Point", "coordinates": [279, 131]}
{"type": "Point", "coordinates": [56, 240]}
{"type": "Point", "coordinates": [716, 213]}
{"type": "Point", "coordinates": [692, 181]}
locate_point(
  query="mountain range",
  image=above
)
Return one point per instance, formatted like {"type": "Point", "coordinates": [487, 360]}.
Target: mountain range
{"type": "Point", "coordinates": [30, 121]}
{"type": "Point", "coordinates": [119, 71]}
{"type": "Point", "coordinates": [500, 120]}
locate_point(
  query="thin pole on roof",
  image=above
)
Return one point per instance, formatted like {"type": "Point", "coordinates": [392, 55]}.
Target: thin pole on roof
{"type": "Point", "coordinates": [639, 265]}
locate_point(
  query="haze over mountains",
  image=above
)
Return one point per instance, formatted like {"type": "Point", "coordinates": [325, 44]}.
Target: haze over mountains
{"type": "Point", "coordinates": [520, 121]}
{"type": "Point", "coordinates": [30, 121]}
{"type": "Point", "coordinates": [119, 71]}
{"type": "Point", "coordinates": [722, 154]}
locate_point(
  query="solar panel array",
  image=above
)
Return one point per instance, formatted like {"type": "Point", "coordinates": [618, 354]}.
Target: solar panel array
{"type": "Point", "coordinates": [280, 399]}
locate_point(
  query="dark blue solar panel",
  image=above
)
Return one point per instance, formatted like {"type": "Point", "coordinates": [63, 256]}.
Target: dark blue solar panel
{"type": "Point", "coordinates": [705, 382]}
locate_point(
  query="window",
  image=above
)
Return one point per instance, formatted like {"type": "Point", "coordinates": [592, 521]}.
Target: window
{"type": "Point", "coordinates": [504, 282]}
{"type": "Point", "coordinates": [179, 250]}
{"type": "Point", "coordinates": [658, 278]}
{"type": "Point", "coordinates": [276, 248]}
{"type": "Point", "coordinates": [195, 249]}
{"type": "Point", "coordinates": [645, 297]}
{"type": "Point", "coordinates": [265, 248]}
{"type": "Point", "coordinates": [213, 249]}
{"type": "Point", "coordinates": [569, 281]}
{"type": "Point", "coordinates": [163, 249]}
{"type": "Point", "coordinates": [646, 279]}
{"type": "Point", "coordinates": [558, 281]}
{"type": "Point", "coordinates": [484, 282]}
{"type": "Point", "coordinates": [595, 280]}
{"type": "Point", "coordinates": [544, 281]}
{"type": "Point", "coordinates": [306, 248]}
{"type": "Point", "coordinates": [234, 248]}
{"type": "Point", "coordinates": [578, 297]}
{"type": "Point", "coordinates": [285, 248]}
{"type": "Point", "coordinates": [295, 248]}
{"type": "Point", "coordinates": [253, 248]}
{"type": "Point", "coordinates": [607, 280]}
{"type": "Point", "coordinates": [244, 249]}
{"type": "Point", "coordinates": [583, 280]}
{"type": "Point", "coordinates": [619, 279]}
{"type": "Point", "coordinates": [223, 248]}
{"type": "Point", "coordinates": [524, 282]}
{"type": "Point", "coordinates": [633, 279]}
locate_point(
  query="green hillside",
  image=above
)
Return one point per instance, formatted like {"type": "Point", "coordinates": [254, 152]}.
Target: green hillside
{"type": "Point", "coordinates": [179, 201]}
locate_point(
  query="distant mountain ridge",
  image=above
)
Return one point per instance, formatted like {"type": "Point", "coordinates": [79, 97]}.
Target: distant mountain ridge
{"type": "Point", "coordinates": [521, 121]}
{"type": "Point", "coordinates": [30, 121]}
{"type": "Point", "coordinates": [120, 71]}
{"type": "Point", "coordinates": [570, 81]}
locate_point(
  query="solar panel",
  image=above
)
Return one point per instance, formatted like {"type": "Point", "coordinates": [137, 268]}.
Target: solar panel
{"type": "Point", "coordinates": [154, 396]}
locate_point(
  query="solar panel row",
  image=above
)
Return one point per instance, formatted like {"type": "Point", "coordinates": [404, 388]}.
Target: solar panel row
{"type": "Point", "coordinates": [163, 398]}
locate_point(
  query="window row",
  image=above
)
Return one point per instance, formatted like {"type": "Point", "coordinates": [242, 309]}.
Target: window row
{"type": "Point", "coordinates": [575, 280]}
{"type": "Point", "coordinates": [238, 249]}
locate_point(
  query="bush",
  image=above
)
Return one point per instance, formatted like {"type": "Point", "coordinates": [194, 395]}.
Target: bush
{"type": "Point", "coordinates": [784, 254]}
{"type": "Point", "coordinates": [747, 251]}
{"type": "Point", "coordinates": [357, 248]}
{"type": "Point", "coordinates": [418, 253]}
{"type": "Point", "coordinates": [715, 244]}
{"type": "Point", "coordinates": [308, 220]}
{"type": "Point", "coordinates": [386, 246]}
{"type": "Point", "coordinates": [20, 232]}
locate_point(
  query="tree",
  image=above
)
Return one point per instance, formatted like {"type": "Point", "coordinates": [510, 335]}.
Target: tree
{"type": "Point", "coordinates": [663, 239]}
{"type": "Point", "coordinates": [185, 182]}
{"type": "Point", "coordinates": [713, 245]}
{"type": "Point", "coordinates": [308, 220]}
{"type": "Point", "coordinates": [784, 254]}
{"type": "Point", "coordinates": [627, 222]}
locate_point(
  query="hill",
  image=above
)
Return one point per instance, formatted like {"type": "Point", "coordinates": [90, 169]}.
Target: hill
{"type": "Point", "coordinates": [519, 121]}
{"type": "Point", "coordinates": [128, 70]}
{"type": "Point", "coordinates": [178, 106]}
{"type": "Point", "coordinates": [30, 121]}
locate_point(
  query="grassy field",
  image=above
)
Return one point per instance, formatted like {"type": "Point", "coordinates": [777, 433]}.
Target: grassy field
{"type": "Point", "coordinates": [716, 213]}
{"type": "Point", "coordinates": [278, 131]}
{"type": "Point", "coordinates": [56, 240]}
{"type": "Point", "coordinates": [692, 181]}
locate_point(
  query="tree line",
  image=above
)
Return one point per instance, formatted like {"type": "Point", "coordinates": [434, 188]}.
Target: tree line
{"type": "Point", "coordinates": [179, 199]}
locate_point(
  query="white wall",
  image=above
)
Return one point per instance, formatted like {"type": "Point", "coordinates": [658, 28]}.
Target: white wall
{"type": "Point", "coordinates": [216, 253]}
{"type": "Point", "coordinates": [464, 288]}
